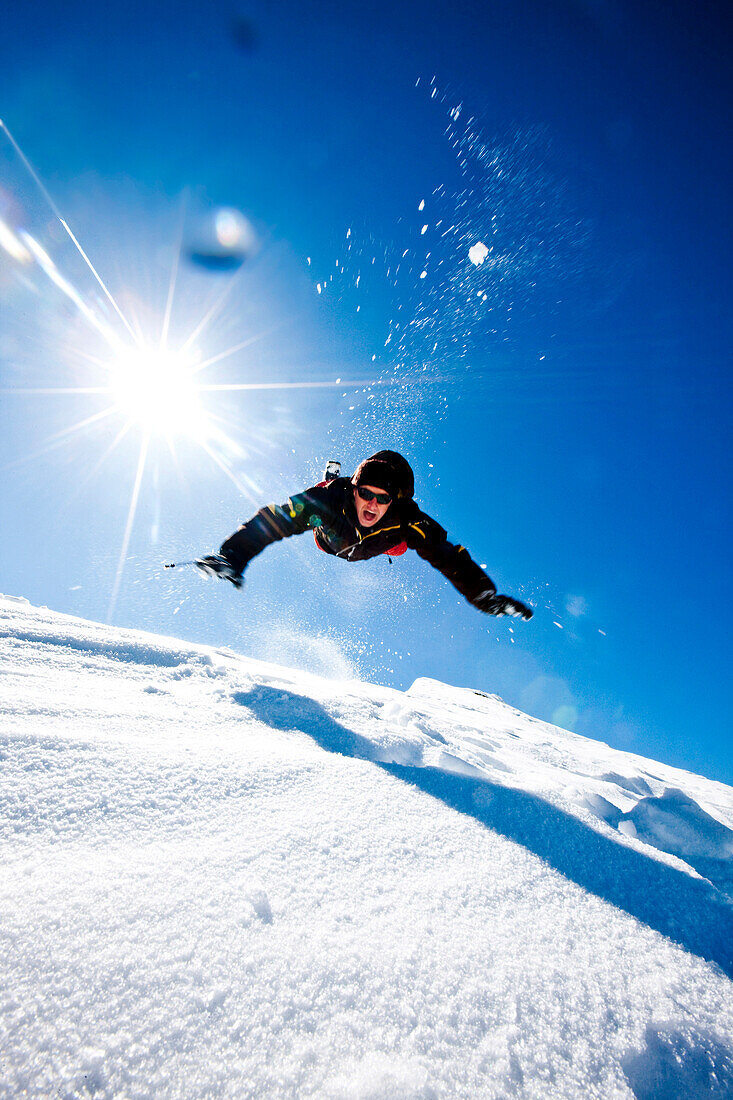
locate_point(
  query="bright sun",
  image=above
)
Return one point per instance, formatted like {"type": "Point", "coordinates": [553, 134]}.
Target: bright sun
{"type": "Point", "coordinates": [156, 388]}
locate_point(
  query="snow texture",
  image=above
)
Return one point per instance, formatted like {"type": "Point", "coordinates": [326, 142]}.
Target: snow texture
{"type": "Point", "coordinates": [226, 878]}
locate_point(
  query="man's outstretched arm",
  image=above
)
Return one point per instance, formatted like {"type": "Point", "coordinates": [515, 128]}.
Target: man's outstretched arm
{"type": "Point", "coordinates": [271, 524]}
{"type": "Point", "coordinates": [456, 564]}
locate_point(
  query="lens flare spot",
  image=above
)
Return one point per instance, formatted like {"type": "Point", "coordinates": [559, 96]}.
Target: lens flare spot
{"type": "Point", "coordinates": [222, 239]}
{"type": "Point", "coordinates": [14, 247]}
{"type": "Point", "coordinates": [230, 228]}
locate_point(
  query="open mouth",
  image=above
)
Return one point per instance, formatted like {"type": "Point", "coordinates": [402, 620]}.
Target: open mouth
{"type": "Point", "coordinates": [369, 516]}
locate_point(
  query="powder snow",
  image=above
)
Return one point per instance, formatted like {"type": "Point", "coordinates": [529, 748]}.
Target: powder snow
{"type": "Point", "coordinates": [226, 878]}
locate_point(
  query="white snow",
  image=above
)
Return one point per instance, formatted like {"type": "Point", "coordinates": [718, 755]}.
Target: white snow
{"type": "Point", "coordinates": [227, 878]}
{"type": "Point", "coordinates": [477, 253]}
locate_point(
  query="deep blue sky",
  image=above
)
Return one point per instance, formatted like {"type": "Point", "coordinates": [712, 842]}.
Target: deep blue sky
{"type": "Point", "coordinates": [580, 449]}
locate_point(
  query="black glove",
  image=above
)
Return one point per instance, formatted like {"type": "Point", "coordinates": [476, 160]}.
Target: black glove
{"type": "Point", "coordinates": [216, 565]}
{"type": "Point", "coordinates": [494, 604]}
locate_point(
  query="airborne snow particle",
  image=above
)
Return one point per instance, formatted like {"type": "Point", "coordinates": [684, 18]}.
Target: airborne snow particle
{"type": "Point", "coordinates": [478, 253]}
{"type": "Point", "coordinates": [423, 274]}
{"type": "Point", "coordinates": [422, 204]}
{"type": "Point", "coordinates": [423, 231]}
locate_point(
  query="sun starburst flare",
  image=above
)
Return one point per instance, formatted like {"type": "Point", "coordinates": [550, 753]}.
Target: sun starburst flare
{"type": "Point", "coordinates": [155, 389]}
{"type": "Point", "coordinates": [150, 386]}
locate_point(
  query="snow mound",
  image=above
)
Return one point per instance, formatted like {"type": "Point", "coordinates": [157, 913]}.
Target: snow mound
{"type": "Point", "coordinates": [675, 823]}
{"type": "Point", "coordinates": [227, 878]}
{"type": "Point", "coordinates": [14, 599]}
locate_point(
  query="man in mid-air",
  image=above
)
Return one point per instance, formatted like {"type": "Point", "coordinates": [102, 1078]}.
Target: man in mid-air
{"type": "Point", "coordinates": [372, 513]}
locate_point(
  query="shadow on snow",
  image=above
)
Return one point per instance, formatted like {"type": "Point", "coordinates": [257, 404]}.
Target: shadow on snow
{"type": "Point", "coordinates": [685, 909]}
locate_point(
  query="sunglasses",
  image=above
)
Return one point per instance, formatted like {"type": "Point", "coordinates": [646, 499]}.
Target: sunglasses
{"type": "Point", "coordinates": [367, 495]}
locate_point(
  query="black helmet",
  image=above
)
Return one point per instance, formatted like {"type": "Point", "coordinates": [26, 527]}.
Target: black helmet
{"type": "Point", "coordinates": [389, 471]}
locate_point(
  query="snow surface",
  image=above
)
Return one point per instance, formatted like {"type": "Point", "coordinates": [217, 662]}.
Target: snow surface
{"type": "Point", "coordinates": [226, 878]}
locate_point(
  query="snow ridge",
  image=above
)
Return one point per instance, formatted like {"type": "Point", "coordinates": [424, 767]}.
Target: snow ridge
{"type": "Point", "coordinates": [227, 878]}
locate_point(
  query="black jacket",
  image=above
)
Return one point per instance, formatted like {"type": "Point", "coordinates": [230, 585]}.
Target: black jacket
{"type": "Point", "coordinates": [328, 510]}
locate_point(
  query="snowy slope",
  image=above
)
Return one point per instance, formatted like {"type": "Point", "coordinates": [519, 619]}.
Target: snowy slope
{"type": "Point", "coordinates": [224, 878]}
